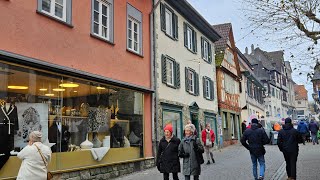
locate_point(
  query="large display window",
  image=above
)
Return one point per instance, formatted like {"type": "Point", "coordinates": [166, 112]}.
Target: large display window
{"type": "Point", "coordinates": [84, 122]}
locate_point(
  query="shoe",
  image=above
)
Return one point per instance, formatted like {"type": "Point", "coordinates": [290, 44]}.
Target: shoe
{"type": "Point", "coordinates": [260, 178]}
{"type": "Point", "coordinates": [213, 161]}
{"type": "Point", "coordinates": [208, 162]}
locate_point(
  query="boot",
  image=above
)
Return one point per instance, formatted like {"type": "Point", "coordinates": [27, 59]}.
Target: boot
{"type": "Point", "coordinates": [208, 162]}
{"type": "Point", "coordinates": [212, 157]}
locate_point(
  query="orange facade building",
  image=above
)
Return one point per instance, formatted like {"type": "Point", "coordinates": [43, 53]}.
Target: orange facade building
{"type": "Point", "coordinates": [83, 69]}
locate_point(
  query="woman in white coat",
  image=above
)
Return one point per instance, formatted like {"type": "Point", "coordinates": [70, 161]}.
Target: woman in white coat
{"type": "Point", "coordinates": [33, 166]}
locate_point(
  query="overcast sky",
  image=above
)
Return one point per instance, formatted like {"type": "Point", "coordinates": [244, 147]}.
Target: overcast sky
{"type": "Point", "coordinates": [224, 11]}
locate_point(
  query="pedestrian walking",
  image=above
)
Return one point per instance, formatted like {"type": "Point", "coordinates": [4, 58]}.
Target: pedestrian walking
{"type": "Point", "coordinates": [313, 127]}
{"type": "Point", "coordinates": [277, 126]}
{"type": "Point", "coordinates": [208, 138]}
{"type": "Point", "coordinates": [288, 139]}
{"type": "Point", "coordinates": [194, 127]}
{"type": "Point", "coordinates": [243, 126]}
{"type": "Point", "coordinates": [35, 158]}
{"type": "Point", "coordinates": [167, 156]}
{"type": "Point", "coordinates": [191, 149]}
{"type": "Point", "coordinates": [303, 130]}
{"type": "Point", "coordinates": [253, 139]}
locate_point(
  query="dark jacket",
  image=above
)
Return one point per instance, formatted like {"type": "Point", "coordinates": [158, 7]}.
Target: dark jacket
{"type": "Point", "coordinates": [256, 138]}
{"type": "Point", "coordinates": [188, 150]}
{"type": "Point", "coordinates": [313, 127]}
{"type": "Point", "coordinates": [54, 137]}
{"type": "Point", "coordinates": [302, 127]}
{"type": "Point", "coordinates": [243, 127]}
{"type": "Point", "coordinates": [167, 156]}
{"type": "Point", "coordinates": [288, 139]}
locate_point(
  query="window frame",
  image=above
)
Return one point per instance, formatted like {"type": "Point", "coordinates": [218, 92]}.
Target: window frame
{"type": "Point", "coordinates": [53, 8]}
{"type": "Point", "coordinates": [66, 12]}
{"type": "Point", "coordinates": [170, 23]}
{"type": "Point", "coordinates": [100, 24]}
{"type": "Point", "coordinates": [133, 22]}
{"type": "Point", "coordinates": [208, 88]}
{"type": "Point", "coordinates": [136, 17]}
{"type": "Point", "coordinates": [171, 62]}
{"type": "Point", "coordinates": [190, 38]}
{"type": "Point", "coordinates": [191, 81]}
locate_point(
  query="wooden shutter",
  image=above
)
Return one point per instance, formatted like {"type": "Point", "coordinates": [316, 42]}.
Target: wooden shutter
{"type": "Point", "coordinates": [194, 36]}
{"type": "Point", "coordinates": [196, 84]}
{"type": "Point", "coordinates": [175, 26]}
{"type": "Point", "coordinates": [202, 47]}
{"type": "Point", "coordinates": [211, 89]}
{"type": "Point", "coordinates": [210, 53]}
{"type": "Point", "coordinates": [163, 17]}
{"type": "Point", "coordinates": [177, 75]}
{"type": "Point", "coordinates": [187, 79]}
{"type": "Point", "coordinates": [185, 35]}
{"type": "Point", "coordinates": [204, 86]}
{"type": "Point", "coordinates": [164, 69]}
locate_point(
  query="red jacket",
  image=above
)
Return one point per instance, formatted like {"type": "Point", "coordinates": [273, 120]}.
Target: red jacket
{"type": "Point", "coordinates": [204, 136]}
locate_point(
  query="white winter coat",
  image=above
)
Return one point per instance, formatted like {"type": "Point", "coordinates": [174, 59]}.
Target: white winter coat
{"type": "Point", "coordinates": [33, 167]}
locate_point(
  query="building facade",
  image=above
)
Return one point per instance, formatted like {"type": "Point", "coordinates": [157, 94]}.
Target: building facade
{"type": "Point", "coordinates": [316, 87]}
{"type": "Point", "coordinates": [302, 104]}
{"type": "Point", "coordinates": [228, 83]}
{"type": "Point", "coordinates": [184, 68]}
{"type": "Point", "coordinates": [77, 71]}
{"type": "Point", "coordinates": [291, 96]}
{"type": "Point", "coordinates": [252, 91]}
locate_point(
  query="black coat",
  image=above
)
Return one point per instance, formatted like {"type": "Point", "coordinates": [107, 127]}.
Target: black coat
{"type": "Point", "coordinates": [256, 138]}
{"type": "Point", "coordinates": [288, 139]}
{"type": "Point", "coordinates": [167, 156]}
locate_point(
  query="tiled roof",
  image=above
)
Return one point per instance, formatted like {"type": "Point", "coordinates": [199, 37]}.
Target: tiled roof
{"type": "Point", "coordinates": [300, 92]}
{"type": "Point", "coordinates": [220, 45]}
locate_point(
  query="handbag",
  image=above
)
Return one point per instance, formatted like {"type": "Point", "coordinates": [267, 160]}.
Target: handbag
{"type": "Point", "coordinates": [49, 174]}
{"type": "Point", "coordinates": [208, 142]}
{"type": "Point", "coordinates": [160, 158]}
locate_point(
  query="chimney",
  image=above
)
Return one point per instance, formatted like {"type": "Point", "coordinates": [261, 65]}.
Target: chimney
{"type": "Point", "coordinates": [252, 49]}
{"type": "Point", "coordinates": [246, 50]}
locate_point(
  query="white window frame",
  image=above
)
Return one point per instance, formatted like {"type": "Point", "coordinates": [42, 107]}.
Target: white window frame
{"type": "Point", "coordinates": [205, 50]}
{"type": "Point", "coordinates": [52, 10]}
{"type": "Point", "coordinates": [133, 22]}
{"type": "Point", "coordinates": [170, 68]}
{"type": "Point", "coordinates": [100, 24]}
{"type": "Point", "coordinates": [207, 90]}
{"type": "Point", "coordinates": [189, 38]}
{"type": "Point", "coordinates": [191, 81]}
{"type": "Point", "coordinates": [169, 22]}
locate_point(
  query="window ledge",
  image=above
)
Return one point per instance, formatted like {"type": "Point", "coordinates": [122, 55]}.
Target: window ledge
{"type": "Point", "coordinates": [191, 50]}
{"type": "Point", "coordinates": [171, 86]}
{"type": "Point", "coordinates": [101, 39]}
{"type": "Point", "coordinates": [56, 19]}
{"type": "Point", "coordinates": [135, 53]}
{"type": "Point", "coordinates": [169, 36]}
{"type": "Point", "coordinates": [209, 99]}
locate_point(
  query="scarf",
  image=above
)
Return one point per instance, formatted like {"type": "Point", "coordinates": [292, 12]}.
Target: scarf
{"type": "Point", "coordinates": [188, 138]}
{"type": "Point", "coordinates": [208, 134]}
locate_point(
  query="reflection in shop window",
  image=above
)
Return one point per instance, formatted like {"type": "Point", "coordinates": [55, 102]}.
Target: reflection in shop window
{"type": "Point", "coordinates": [174, 118]}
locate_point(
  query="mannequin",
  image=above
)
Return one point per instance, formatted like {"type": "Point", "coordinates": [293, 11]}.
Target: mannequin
{"type": "Point", "coordinates": [56, 131]}
{"type": "Point", "coordinates": [4, 134]}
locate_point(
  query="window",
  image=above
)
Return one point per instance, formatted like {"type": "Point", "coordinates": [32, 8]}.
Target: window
{"type": "Point", "coordinates": [229, 84]}
{"type": "Point", "coordinates": [208, 88]}
{"type": "Point", "coordinates": [170, 72]}
{"type": "Point", "coordinates": [230, 57]}
{"type": "Point", "coordinates": [206, 50]}
{"type": "Point", "coordinates": [190, 38]}
{"type": "Point", "coordinates": [272, 92]}
{"type": "Point", "coordinates": [192, 81]}
{"type": "Point", "coordinates": [58, 9]}
{"type": "Point", "coordinates": [299, 102]}
{"type": "Point", "coordinates": [173, 117]}
{"type": "Point", "coordinates": [169, 21]}
{"type": "Point", "coordinates": [102, 19]}
{"type": "Point", "coordinates": [134, 33]}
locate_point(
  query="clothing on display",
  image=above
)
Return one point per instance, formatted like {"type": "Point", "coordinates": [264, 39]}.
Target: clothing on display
{"type": "Point", "coordinates": [98, 119]}
{"type": "Point", "coordinates": [77, 128]}
{"type": "Point", "coordinates": [56, 131]}
{"type": "Point", "coordinates": [117, 134]}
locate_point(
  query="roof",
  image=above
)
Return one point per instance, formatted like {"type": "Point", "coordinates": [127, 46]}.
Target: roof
{"type": "Point", "coordinates": [193, 16]}
{"type": "Point", "coordinates": [244, 58]}
{"type": "Point", "coordinates": [221, 44]}
{"type": "Point", "coordinates": [277, 58]}
{"type": "Point", "coordinates": [300, 92]}
{"type": "Point", "coordinates": [288, 65]}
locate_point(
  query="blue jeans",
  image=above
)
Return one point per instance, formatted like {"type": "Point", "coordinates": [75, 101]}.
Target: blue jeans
{"type": "Point", "coordinates": [261, 160]}
{"type": "Point", "coordinates": [314, 138]}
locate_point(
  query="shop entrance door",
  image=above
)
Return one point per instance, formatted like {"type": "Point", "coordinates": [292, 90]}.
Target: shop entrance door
{"type": "Point", "coordinates": [195, 121]}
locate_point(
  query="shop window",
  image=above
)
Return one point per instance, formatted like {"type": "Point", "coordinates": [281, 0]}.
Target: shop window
{"type": "Point", "coordinates": [73, 114]}
{"type": "Point", "coordinates": [169, 21]}
{"type": "Point", "coordinates": [170, 72]}
{"type": "Point", "coordinates": [173, 118]}
{"type": "Point", "coordinates": [102, 19]}
{"type": "Point", "coordinates": [58, 9]}
{"type": "Point", "coordinates": [134, 30]}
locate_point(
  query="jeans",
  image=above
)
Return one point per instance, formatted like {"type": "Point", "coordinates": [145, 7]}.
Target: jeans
{"type": "Point", "coordinates": [291, 163]}
{"type": "Point", "coordinates": [174, 175]}
{"type": "Point", "coordinates": [187, 177]}
{"type": "Point", "coordinates": [261, 160]}
{"type": "Point", "coordinates": [314, 138]}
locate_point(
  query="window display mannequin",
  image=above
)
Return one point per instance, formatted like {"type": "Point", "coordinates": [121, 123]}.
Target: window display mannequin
{"type": "Point", "coordinates": [117, 139]}
{"type": "Point", "coordinates": [56, 131]}
{"type": "Point", "coordinates": [8, 125]}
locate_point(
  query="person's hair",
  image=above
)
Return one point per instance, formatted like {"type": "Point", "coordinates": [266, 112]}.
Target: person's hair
{"type": "Point", "coordinates": [207, 124]}
{"type": "Point", "coordinates": [189, 127]}
{"type": "Point", "coordinates": [35, 136]}
{"type": "Point", "coordinates": [189, 122]}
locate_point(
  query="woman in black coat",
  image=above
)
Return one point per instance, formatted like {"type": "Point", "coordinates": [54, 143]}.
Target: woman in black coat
{"type": "Point", "coordinates": [167, 156]}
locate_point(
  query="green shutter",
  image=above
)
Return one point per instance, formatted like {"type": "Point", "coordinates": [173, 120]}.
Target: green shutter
{"type": "Point", "coordinates": [163, 17]}
{"type": "Point", "coordinates": [185, 35]}
{"type": "Point", "coordinates": [186, 79]}
{"type": "Point", "coordinates": [164, 69]}
{"type": "Point", "coordinates": [202, 47]}
{"type": "Point", "coordinates": [204, 86]}
{"type": "Point", "coordinates": [196, 84]}
{"type": "Point", "coordinates": [175, 25]}
{"type": "Point", "coordinates": [177, 75]}
{"type": "Point", "coordinates": [211, 89]}
{"type": "Point", "coordinates": [194, 36]}
{"type": "Point", "coordinates": [210, 53]}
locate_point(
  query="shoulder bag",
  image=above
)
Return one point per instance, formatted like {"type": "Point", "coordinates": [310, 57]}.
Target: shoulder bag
{"type": "Point", "coordinates": [49, 175]}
